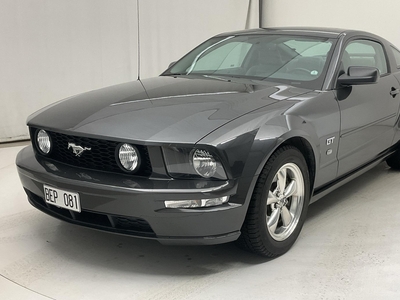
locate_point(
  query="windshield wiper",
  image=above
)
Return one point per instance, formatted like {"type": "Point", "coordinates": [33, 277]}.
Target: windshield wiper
{"type": "Point", "coordinates": [174, 74]}
{"type": "Point", "coordinates": [216, 77]}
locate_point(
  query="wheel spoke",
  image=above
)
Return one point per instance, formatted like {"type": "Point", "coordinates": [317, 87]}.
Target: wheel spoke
{"type": "Point", "coordinates": [273, 219]}
{"type": "Point", "coordinates": [293, 205]}
{"type": "Point", "coordinates": [271, 198]}
{"type": "Point", "coordinates": [290, 189]}
{"type": "Point", "coordinates": [281, 180]}
{"type": "Point", "coordinates": [285, 201]}
{"type": "Point", "coordinates": [286, 216]}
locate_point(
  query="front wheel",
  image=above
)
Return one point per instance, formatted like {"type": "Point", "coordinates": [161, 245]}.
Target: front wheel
{"type": "Point", "coordinates": [279, 204]}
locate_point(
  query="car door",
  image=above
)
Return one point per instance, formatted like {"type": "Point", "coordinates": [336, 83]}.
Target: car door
{"type": "Point", "coordinates": [368, 112]}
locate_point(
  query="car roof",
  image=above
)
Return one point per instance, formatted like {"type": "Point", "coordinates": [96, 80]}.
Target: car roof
{"type": "Point", "coordinates": [308, 31]}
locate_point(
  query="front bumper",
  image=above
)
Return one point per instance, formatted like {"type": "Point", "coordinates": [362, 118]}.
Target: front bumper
{"type": "Point", "coordinates": [135, 206]}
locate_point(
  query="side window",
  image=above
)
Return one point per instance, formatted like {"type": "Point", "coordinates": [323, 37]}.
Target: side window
{"type": "Point", "coordinates": [396, 54]}
{"type": "Point", "coordinates": [365, 53]}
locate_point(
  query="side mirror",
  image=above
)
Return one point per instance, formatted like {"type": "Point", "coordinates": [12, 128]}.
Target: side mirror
{"type": "Point", "coordinates": [359, 75]}
{"type": "Point", "coordinates": [171, 64]}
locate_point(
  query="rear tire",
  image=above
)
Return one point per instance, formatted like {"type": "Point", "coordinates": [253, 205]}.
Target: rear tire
{"type": "Point", "coordinates": [394, 161]}
{"type": "Point", "coordinates": [278, 206]}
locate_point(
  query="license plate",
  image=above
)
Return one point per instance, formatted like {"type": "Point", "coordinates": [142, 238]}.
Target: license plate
{"type": "Point", "coordinates": [62, 198]}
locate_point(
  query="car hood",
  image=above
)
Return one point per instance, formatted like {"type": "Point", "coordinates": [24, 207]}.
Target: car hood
{"type": "Point", "coordinates": [162, 109]}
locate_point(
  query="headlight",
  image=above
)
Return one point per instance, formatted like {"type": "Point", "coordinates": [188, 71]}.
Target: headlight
{"type": "Point", "coordinates": [204, 163]}
{"type": "Point", "coordinates": [189, 163]}
{"type": "Point", "coordinates": [43, 141]}
{"type": "Point", "coordinates": [128, 157]}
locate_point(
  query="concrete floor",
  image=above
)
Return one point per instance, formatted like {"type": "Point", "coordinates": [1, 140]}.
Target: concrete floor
{"type": "Point", "coordinates": [349, 249]}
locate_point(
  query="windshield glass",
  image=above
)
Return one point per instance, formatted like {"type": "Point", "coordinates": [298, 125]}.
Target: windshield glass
{"type": "Point", "coordinates": [295, 60]}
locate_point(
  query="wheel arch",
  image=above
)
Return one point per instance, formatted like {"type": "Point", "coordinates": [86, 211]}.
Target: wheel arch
{"type": "Point", "coordinates": [306, 149]}
{"type": "Point", "coordinates": [302, 142]}
{"type": "Point", "coordinates": [252, 237]}
{"type": "Point", "coordinates": [297, 139]}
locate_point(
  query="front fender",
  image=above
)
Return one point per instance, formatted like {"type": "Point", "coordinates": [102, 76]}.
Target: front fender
{"type": "Point", "coordinates": [246, 144]}
{"type": "Point", "coordinates": [289, 127]}
{"type": "Point", "coordinates": [268, 139]}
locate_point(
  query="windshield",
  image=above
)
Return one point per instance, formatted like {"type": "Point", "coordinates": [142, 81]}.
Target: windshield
{"type": "Point", "coordinates": [295, 60]}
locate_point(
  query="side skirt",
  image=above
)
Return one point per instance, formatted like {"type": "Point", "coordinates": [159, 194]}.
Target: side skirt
{"type": "Point", "coordinates": [333, 185]}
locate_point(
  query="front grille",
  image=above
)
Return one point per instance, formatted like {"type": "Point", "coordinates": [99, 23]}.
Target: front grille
{"type": "Point", "coordinates": [114, 223]}
{"type": "Point", "coordinates": [100, 157]}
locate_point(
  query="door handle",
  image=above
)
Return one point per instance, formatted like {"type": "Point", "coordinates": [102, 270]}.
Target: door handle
{"type": "Point", "coordinates": [394, 92]}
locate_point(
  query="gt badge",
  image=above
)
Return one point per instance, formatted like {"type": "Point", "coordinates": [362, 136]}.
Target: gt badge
{"type": "Point", "coordinates": [77, 149]}
{"type": "Point", "coordinates": [330, 140]}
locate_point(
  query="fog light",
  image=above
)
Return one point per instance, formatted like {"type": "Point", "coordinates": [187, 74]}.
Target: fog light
{"type": "Point", "coordinates": [128, 157]}
{"type": "Point", "coordinates": [43, 141]}
{"type": "Point", "coordinates": [196, 203]}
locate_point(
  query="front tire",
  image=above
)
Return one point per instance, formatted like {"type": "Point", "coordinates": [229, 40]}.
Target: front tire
{"type": "Point", "coordinates": [279, 204]}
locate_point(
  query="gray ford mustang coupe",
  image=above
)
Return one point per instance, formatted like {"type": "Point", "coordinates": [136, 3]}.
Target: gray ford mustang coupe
{"type": "Point", "coordinates": [231, 142]}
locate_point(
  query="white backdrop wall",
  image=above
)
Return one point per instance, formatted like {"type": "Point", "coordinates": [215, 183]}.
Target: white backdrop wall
{"type": "Point", "coordinates": [379, 17]}
{"type": "Point", "coordinates": [52, 49]}
{"type": "Point", "coordinates": [165, 24]}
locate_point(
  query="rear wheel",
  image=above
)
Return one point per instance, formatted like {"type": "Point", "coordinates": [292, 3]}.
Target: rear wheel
{"type": "Point", "coordinates": [279, 204]}
{"type": "Point", "coordinates": [394, 161]}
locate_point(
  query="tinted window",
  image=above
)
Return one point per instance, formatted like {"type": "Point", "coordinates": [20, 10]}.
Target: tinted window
{"type": "Point", "coordinates": [366, 54]}
{"type": "Point", "coordinates": [296, 60]}
{"type": "Point", "coordinates": [309, 48]}
{"type": "Point", "coordinates": [396, 54]}
{"type": "Point", "coordinates": [230, 55]}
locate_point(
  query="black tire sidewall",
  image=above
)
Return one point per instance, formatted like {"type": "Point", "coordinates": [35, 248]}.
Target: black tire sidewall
{"type": "Point", "coordinates": [291, 155]}
{"type": "Point", "coordinates": [393, 161]}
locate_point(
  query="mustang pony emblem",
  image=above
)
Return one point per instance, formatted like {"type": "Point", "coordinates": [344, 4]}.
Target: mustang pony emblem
{"type": "Point", "coordinates": [77, 149]}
